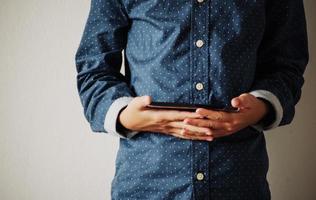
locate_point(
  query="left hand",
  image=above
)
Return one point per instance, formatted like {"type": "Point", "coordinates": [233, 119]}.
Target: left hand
{"type": "Point", "coordinates": [223, 123]}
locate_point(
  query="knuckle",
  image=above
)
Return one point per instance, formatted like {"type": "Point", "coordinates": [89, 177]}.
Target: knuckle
{"type": "Point", "coordinates": [181, 132]}
{"type": "Point", "coordinates": [230, 127]}
{"type": "Point", "coordinates": [188, 120]}
{"type": "Point", "coordinates": [184, 131]}
{"type": "Point", "coordinates": [189, 134]}
{"type": "Point", "coordinates": [234, 122]}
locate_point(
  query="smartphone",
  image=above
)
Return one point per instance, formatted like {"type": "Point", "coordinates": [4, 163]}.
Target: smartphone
{"type": "Point", "coordinates": [187, 107]}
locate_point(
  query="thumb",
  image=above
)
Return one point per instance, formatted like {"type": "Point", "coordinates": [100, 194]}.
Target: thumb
{"type": "Point", "coordinates": [144, 101]}
{"type": "Point", "coordinates": [241, 101]}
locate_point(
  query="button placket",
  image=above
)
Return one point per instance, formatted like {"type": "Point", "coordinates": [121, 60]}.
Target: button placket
{"type": "Point", "coordinates": [200, 77]}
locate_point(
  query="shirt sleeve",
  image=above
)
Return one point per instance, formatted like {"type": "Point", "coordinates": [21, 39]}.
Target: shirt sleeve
{"type": "Point", "coordinates": [282, 57]}
{"type": "Point", "coordinates": [111, 123]}
{"type": "Point", "coordinates": [99, 60]}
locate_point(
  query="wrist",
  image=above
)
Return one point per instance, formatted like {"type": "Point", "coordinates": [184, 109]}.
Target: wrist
{"type": "Point", "coordinates": [119, 124]}
{"type": "Point", "coordinates": [269, 113]}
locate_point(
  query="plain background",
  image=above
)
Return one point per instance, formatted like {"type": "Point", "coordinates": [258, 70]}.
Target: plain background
{"type": "Point", "coordinates": [47, 150]}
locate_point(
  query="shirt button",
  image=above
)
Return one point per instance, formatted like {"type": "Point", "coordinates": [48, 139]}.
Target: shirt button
{"type": "Point", "coordinates": [199, 176]}
{"type": "Point", "coordinates": [199, 43]}
{"type": "Point", "coordinates": [200, 1]}
{"type": "Point", "coordinates": [199, 86]}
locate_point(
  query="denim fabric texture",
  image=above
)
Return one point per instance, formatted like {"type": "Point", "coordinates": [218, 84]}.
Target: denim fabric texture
{"type": "Point", "coordinates": [191, 51]}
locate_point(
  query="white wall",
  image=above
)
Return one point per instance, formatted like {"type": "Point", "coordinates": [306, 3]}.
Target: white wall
{"type": "Point", "coordinates": [47, 150]}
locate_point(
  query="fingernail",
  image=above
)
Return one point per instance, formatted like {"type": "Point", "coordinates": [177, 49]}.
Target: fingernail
{"type": "Point", "coordinates": [208, 133]}
{"type": "Point", "coordinates": [209, 139]}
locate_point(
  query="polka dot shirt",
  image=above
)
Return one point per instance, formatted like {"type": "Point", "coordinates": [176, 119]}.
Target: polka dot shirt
{"type": "Point", "coordinates": [191, 51]}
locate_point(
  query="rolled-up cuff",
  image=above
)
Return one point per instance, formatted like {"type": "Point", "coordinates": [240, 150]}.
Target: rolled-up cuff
{"type": "Point", "coordinates": [269, 96]}
{"type": "Point", "coordinates": [110, 121]}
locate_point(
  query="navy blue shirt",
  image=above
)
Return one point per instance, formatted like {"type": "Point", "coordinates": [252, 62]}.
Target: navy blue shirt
{"type": "Point", "coordinates": [191, 51]}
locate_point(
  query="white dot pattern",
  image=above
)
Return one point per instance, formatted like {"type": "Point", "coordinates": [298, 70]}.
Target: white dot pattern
{"type": "Point", "coordinates": [244, 45]}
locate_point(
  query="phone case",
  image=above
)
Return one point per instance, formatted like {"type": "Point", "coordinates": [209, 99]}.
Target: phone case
{"type": "Point", "coordinates": [187, 107]}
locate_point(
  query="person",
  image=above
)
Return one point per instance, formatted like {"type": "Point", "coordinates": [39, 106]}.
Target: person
{"type": "Point", "coordinates": [247, 54]}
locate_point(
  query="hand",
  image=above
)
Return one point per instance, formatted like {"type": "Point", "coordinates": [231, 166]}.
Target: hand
{"type": "Point", "coordinates": [139, 118]}
{"type": "Point", "coordinates": [223, 123]}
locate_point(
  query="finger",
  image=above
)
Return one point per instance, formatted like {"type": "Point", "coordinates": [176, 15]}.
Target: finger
{"type": "Point", "coordinates": [223, 133]}
{"type": "Point", "coordinates": [214, 115]}
{"type": "Point", "coordinates": [211, 124]}
{"type": "Point", "coordinates": [190, 128]}
{"type": "Point", "coordinates": [195, 130]}
{"type": "Point", "coordinates": [177, 132]}
{"type": "Point", "coordinates": [236, 102]}
{"type": "Point", "coordinates": [196, 136]}
{"type": "Point", "coordinates": [174, 115]}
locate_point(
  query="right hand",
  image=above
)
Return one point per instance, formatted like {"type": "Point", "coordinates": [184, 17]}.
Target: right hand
{"type": "Point", "coordinates": [137, 117]}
